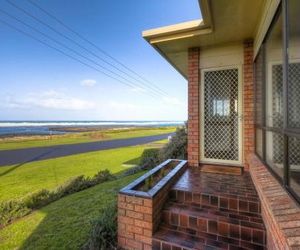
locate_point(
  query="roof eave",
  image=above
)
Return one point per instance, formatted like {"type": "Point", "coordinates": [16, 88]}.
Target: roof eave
{"type": "Point", "coordinates": [180, 31]}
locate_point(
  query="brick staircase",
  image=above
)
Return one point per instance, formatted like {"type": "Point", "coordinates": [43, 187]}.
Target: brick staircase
{"type": "Point", "coordinates": [211, 211]}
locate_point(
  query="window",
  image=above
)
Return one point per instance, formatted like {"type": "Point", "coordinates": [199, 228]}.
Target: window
{"type": "Point", "coordinates": [221, 107]}
{"type": "Point", "coordinates": [277, 97]}
{"type": "Point", "coordinates": [293, 96]}
{"type": "Point", "coordinates": [274, 97]}
{"type": "Point", "coordinates": [259, 101]}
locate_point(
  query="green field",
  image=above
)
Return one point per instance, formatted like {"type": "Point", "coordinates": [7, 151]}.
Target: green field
{"type": "Point", "coordinates": [19, 180]}
{"type": "Point", "coordinates": [80, 137]}
{"type": "Point", "coordinates": [64, 224]}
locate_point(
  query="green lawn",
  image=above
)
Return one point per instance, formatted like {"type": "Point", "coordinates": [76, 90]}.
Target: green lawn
{"type": "Point", "coordinates": [39, 141]}
{"type": "Point", "coordinates": [64, 224]}
{"type": "Point", "coordinates": [19, 180]}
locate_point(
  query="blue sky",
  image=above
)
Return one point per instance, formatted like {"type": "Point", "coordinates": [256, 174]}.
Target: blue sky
{"type": "Point", "coordinates": [38, 83]}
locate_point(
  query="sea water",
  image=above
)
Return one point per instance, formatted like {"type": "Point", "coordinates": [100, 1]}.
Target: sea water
{"type": "Point", "coordinates": [9, 128]}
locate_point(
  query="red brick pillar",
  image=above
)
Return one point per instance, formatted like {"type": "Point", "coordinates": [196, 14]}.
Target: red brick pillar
{"type": "Point", "coordinates": [193, 107]}
{"type": "Point", "coordinates": [248, 121]}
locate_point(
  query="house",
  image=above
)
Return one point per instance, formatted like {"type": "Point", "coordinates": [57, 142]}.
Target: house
{"type": "Point", "coordinates": [241, 187]}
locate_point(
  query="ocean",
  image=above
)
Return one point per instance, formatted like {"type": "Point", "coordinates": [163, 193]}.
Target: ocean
{"type": "Point", "coordinates": [11, 128]}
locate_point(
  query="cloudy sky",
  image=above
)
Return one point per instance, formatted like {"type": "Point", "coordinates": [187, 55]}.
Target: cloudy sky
{"type": "Point", "coordinates": [40, 83]}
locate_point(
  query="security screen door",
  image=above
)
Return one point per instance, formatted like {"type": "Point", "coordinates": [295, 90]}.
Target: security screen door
{"type": "Point", "coordinates": [221, 116]}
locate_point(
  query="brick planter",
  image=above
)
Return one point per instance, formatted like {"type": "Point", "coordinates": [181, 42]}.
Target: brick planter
{"type": "Point", "coordinates": [139, 212]}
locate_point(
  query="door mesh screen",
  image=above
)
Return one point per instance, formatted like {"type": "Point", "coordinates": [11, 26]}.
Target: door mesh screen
{"type": "Point", "coordinates": [221, 115]}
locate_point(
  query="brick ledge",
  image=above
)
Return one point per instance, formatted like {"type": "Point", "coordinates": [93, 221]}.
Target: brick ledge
{"type": "Point", "coordinates": [280, 212]}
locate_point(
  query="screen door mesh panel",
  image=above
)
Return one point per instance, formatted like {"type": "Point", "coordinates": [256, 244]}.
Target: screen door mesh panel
{"type": "Point", "coordinates": [221, 115]}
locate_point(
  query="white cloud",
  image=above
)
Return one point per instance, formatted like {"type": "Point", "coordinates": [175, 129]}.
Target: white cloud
{"type": "Point", "coordinates": [50, 100]}
{"type": "Point", "coordinates": [172, 101]}
{"type": "Point", "coordinates": [88, 83]}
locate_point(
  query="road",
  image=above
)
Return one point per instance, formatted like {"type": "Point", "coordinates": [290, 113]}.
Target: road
{"type": "Point", "coordinates": [18, 156]}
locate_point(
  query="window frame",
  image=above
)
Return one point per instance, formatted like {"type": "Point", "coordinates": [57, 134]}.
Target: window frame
{"type": "Point", "coordinates": [286, 131]}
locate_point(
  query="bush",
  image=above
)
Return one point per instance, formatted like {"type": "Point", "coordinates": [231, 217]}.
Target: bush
{"type": "Point", "coordinates": [131, 171]}
{"type": "Point", "coordinates": [103, 176]}
{"type": "Point", "coordinates": [39, 199]}
{"type": "Point", "coordinates": [104, 230]}
{"type": "Point", "coordinates": [176, 147]}
{"type": "Point", "coordinates": [150, 158]}
{"type": "Point", "coordinates": [14, 209]}
{"type": "Point", "coordinates": [74, 185]}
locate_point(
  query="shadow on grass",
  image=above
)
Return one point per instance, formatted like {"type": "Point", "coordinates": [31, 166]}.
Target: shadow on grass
{"type": "Point", "coordinates": [135, 161]}
{"type": "Point", "coordinates": [66, 223]}
{"type": "Point", "coordinates": [36, 158]}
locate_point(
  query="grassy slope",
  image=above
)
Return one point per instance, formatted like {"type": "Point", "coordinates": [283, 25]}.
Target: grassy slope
{"type": "Point", "coordinates": [17, 181]}
{"type": "Point", "coordinates": [81, 137]}
{"type": "Point", "coordinates": [64, 224]}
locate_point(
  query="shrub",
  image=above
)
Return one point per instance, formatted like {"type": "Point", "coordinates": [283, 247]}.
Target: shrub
{"type": "Point", "coordinates": [176, 147]}
{"type": "Point", "coordinates": [104, 230]}
{"type": "Point", "coordinates": [39, 199]}
{"type": "Point", "coordinates": [103, 176]}
{"type": "Point", "coordinates": [74, 185]}
{"type": "Point", "coordinates": [150, 158]}
{"type": "Point", "coordinates": [14, 209]}
{"type": "Point", "coordinates": [131, 171]}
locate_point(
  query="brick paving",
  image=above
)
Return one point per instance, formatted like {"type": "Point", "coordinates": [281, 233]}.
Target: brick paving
{"type": "Point", "coordinates": [211, 211]}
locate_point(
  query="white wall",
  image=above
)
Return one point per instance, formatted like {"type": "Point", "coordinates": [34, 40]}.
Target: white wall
{"type": "Point", "coordinates": [220, 56]}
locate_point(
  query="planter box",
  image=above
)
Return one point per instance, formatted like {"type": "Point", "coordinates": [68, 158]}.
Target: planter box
{"type": "Point", "coordinates": [140, 204]}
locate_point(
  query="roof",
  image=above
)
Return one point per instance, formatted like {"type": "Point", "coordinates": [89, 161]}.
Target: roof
{"type": "Point", "coordinates": [224, 21]}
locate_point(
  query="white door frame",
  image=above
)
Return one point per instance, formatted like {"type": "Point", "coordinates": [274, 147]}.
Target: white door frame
{"type": "Point", "coordinates": [240, 115]}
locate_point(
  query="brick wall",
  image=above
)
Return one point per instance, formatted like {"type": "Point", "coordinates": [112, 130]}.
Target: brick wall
{"type": "Point", "coordinates": [248, 100]}
{"type": "Point", "coordinates": [280, 212]}
{"type": "Point", "coordinates": [139, 217]}
{"type": "Point", "coordinates": [134, 222]}
{"type": "Point", "coordinates": [193, 107]}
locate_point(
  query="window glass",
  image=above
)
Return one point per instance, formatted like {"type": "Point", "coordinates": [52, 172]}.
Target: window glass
{"type": "Point", "coordinates": [294, 93]}
{"type": "Point", "coordinates": [259, 142]}
{"type": "Point", "coordinates": [259, 84]}
{"type": "Point", "coordinates": [274, 98]}
{"type": "Point", "coordinates": [269, 84]}
{"type": "Point", "coordinates": [274, 152]}
{"type": "Point", "coordinates": [294, 163]}
{"type": "Point", "coordinates": [294, 64]}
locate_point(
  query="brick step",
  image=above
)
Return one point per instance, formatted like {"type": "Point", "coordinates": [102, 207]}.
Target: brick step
{"type": "Point", "coordinates": [170, 237]}
{"type": "Point", "coordinates": [244, 202]}
{"type": "Point", "coordinates": [213, 189]}
{"type": "Point", "coordinates": [220, 222]}
{"type": "Point", "coordinates": [218, 169]}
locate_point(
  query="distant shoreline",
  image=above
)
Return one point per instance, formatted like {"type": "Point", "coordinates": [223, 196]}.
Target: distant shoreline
{"type": "Point", "coordinates": [54, 129]}
{"type": "Point", "coordinates": [70, 129]}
